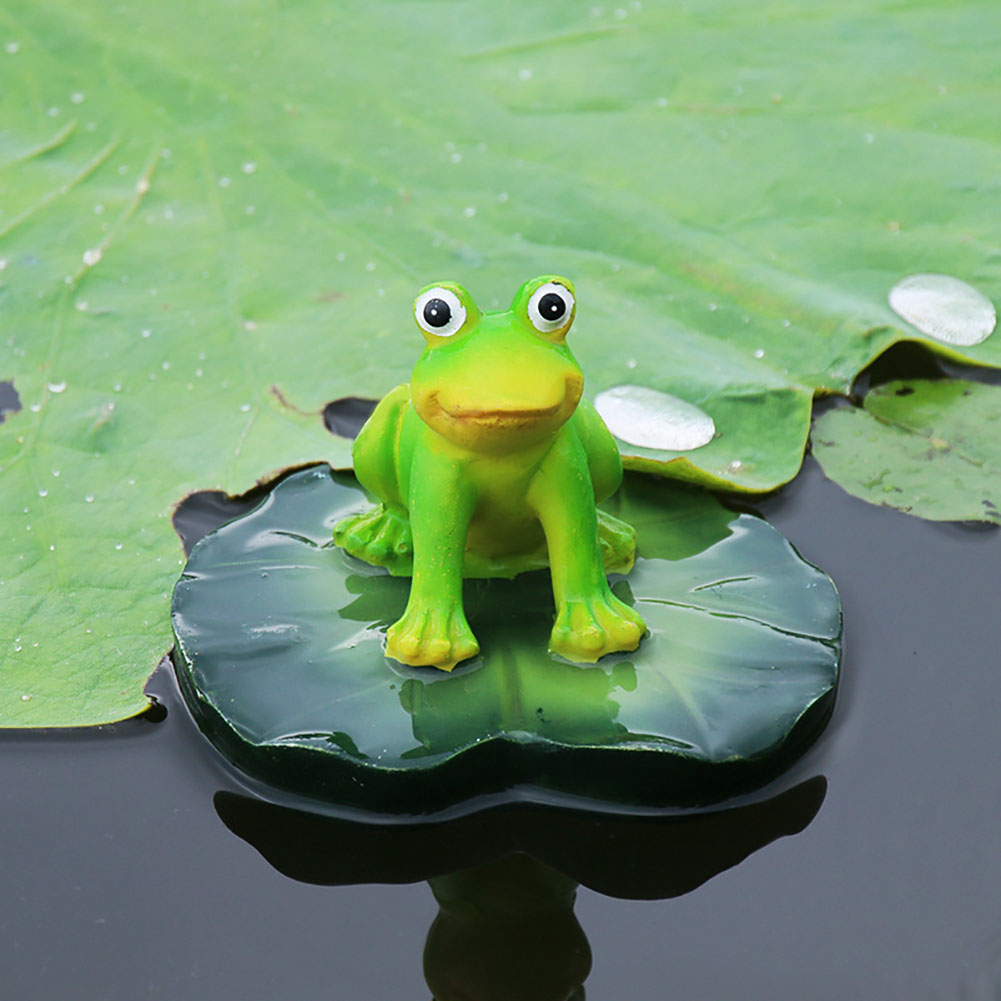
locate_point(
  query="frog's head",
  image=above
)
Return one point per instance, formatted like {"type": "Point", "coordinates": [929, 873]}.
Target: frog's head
{"type": "Point", "coordinates": [495, 382]}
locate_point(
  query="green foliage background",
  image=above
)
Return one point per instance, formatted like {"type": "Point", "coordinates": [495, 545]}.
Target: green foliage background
{"type": "Point", "coordinates": [215, 215]}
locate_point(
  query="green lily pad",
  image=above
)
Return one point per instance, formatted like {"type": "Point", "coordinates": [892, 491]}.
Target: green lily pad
{"type": "Point", "coordinates": [280, 654]}
{"type": "Point", "coordinates": [928, 447]}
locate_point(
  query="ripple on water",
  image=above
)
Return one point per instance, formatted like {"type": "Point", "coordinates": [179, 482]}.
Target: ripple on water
{"type": "Point", "coordinates": [649, 418]}
{"type": "Point", "coordinates": [945, 308]}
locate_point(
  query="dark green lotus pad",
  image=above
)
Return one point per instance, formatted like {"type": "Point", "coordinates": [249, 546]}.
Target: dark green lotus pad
{"type": "Point", "coordinates": [280, 655]}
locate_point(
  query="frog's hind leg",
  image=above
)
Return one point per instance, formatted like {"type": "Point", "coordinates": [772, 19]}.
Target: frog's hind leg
{"type": "Point", "coordinates": [380, 536]}
{"type": "Point", "coordinates": [618, 543]}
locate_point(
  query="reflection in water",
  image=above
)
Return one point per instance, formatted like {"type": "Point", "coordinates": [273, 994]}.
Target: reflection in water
{"type": "Point", "coordinates": [505, 878]}
{"type": "Point", "coordinates": [506, 931]}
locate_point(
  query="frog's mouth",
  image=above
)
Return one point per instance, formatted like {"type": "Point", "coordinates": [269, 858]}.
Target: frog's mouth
{"type": "Point", "coordinates": [501, 415]}
{"type": "Point", "coordinates": [502, 423]}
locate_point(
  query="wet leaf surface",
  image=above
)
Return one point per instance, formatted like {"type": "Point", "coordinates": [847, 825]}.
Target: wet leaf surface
{"type": "Point", "coordinates": [192, 217]}
{"type": "Point", "coordinates": [928, 447]}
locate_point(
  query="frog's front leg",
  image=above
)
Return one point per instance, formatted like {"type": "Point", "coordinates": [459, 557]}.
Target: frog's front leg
{"type": "Point", "coordinates": [590, 620]}
{"type": "Point", "coordinates": [433, 630]}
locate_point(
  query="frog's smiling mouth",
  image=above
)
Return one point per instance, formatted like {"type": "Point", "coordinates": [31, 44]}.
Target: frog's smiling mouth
{"type": "Point", "coordinates": [538, 413]}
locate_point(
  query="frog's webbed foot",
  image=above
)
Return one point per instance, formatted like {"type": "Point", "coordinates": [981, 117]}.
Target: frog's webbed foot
{"type": "Point", "coordinates": [380, 536]}
{"type": "Point", "coordinates": [588, 628]}
{"type": "Point", "coordinates": [618, 543]}
{"type": "Point", "coordinates": [432, 636]}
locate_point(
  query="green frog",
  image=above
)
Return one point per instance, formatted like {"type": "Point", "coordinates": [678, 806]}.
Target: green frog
{"type": "Point", "coordinates": [487, 464]}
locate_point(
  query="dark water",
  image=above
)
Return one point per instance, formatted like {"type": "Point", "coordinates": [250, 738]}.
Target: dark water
{"type": "Point", "coordinates": [872, 870]}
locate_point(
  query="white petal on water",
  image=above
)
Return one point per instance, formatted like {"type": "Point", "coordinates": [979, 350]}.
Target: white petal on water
{"type": "Point", "coordinates": [945, 308]}
{"type": "Point", "coordinates": [652, 419]}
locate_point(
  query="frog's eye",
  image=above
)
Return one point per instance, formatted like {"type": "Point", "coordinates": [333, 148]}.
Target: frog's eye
{"type": "Point", "coordinates": [438, 311]}
{"type": "Point", "coordinates": [550, 307]}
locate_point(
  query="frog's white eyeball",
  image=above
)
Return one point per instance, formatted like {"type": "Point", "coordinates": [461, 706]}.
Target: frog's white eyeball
{"type": "Point", "coordinates": [439, 312]}
{"type": "Point", "coordinates": [550, 307]}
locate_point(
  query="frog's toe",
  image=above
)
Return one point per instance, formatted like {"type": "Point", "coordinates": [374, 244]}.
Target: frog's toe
{"type": "Point", "coordinates": [431, 638]}
{"type": "Point", "coordinates": [588, 628]}
{"type": "Point", "coordinates": [381, 536]}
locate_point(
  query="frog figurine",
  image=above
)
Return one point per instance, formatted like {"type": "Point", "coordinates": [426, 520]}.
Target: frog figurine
{"type": "Point", "coordinates": [488, 464]}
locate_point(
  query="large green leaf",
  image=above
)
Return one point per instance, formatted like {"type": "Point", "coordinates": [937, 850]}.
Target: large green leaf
{"type": "Point", "coordinates": [928, 447]}
{"type": "Point", "coordinates": [204, 201]}
{"type": "Point", "coordinates": [280, 642]}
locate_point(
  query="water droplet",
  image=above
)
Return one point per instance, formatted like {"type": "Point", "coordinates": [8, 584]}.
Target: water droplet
{"type": "Point", "coordinates": [165, 365]}
{"type": "Point", "coordinates": [3, 263]}
{"type": "Point", "coordinates": [77, 97]}
{"type": "Point", "coordinates": [760, 353]}
{"type": "Point", "coordinates": [35, 407]}
{"type": "Point", "coordinates": [868, 138]}
{"type": "Point", "coordinates": [117, 387]}
{"type": "Point", "coordinates": [652, 419]}
{"type": "Point", "coordinates": [370, 266]}
{"type": "Point", "coordinates": [250, 210]}
{"type": "Point", "coordinates": [198, 373]}
{"type": "Point", "coordinates": [123, 169]}
{"type": "Point", "coordinates": [118, 545]}
{"type": "Point", "coordinates": [341, 256]}
{"type": "Point", "coordinates": [224, 182]}
{"type": "Point", "coordinates": [43, 493]}
{"type": "Point", "coordinates": [713, 306]}
{"type": "Point", "coordinates": [455, 158]}
{"type": "Point", "coordinates": [525, 74]}
{"type": "Point", "coordinates": [53, 112]}
{"type": "Point", "coordinates": [56, 387]}
{"type": "Point", "coordinates": [142, 185]}
{"type": "Point", "coordinates": [502, 196]}
{"type": "Point", "coordinates": [12, 48]}
{"type": "Point", "coordinates": [81, 305]}
{"type": "Point", "coordinates": [244, 407]}
{"type": "Point", "coordinates": [52, 549]}
{"type": "Point", "coordinates": [147, 333]}
{"type": "Point", "coordinates": [25, 698]}
{"type": "Point", "coordinates": [56, 472]}
{"type": "Point", "coordinates": [631, 363]}
{"type": "Point", "coordinates": [249, 325]}
{"type": "Point", "coordinates": [945, 308]}
{"type": "Point", "coordinates": [469, 211]}
{"type": "Point", "coordinates": [89, 499]}
{"type": "Point", "coordinates": [249, 167]}
{"type": "Point", "coordinates": [92, 256]}
{"type": "Point", "coordinates": [619, 14]}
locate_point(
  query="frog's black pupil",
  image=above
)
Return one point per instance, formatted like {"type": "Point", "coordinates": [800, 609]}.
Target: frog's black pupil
{"type": "Point", "coordinates": [552, 306]}
{"type": "Point", "coordinates": [437, 313]}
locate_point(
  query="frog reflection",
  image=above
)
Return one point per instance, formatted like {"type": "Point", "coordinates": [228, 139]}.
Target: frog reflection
{"type": "Point", "coordinates": [461, 709]}
{"type": "Point", "coordinates": [486, 464]}
{"type": "Point", "coordinates": [504, 931]}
